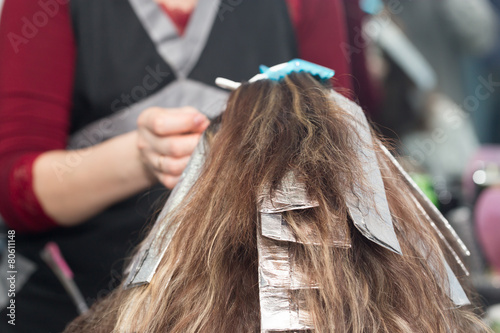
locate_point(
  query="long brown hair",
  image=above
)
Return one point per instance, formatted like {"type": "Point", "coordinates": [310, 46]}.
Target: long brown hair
{"type": "Point", "coordinates": [208, 282]}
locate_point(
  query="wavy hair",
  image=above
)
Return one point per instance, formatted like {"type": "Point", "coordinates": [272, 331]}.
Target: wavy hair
{"type": "Point", "coordinates": [208, 281]}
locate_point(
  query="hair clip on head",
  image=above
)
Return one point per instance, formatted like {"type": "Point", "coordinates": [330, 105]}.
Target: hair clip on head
{"type": "Point", "coordinates": [279, 71]}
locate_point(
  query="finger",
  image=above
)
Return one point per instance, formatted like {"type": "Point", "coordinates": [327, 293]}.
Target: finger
{"type": "Point", "coordinates": [173, 146]}
{"type": "Point", "coordinates": [164, 122]}
{"type": "Point", "coordinates": [169, 165]}
{"type": "Point", "coordinates": [189, 109]}
{"type": "Point", "coordinates": [168, 181]}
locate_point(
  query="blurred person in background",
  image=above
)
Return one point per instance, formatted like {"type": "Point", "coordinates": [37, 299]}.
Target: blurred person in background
{"type": "Point", "coordinates": [101, 104]}
{"type": "Point", "coordinates": [449, 33]}
{"type": "Point", "coordinates": [428, 103]}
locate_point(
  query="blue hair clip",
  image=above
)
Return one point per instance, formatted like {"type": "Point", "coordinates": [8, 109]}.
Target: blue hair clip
{"type": "Point", "coordinates": [278, 72]}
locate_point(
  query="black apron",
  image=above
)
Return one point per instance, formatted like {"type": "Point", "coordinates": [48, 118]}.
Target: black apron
{"type": "Point", "coordinates": [129, 57]}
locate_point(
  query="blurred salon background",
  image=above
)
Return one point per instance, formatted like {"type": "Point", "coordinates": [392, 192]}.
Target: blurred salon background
{"type": "Point", "coordinates": [436, 72]}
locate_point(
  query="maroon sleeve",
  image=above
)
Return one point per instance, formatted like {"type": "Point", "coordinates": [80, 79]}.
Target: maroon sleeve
{"type": "Point", "coordinates": [37, 52]}
{"type": "Point", "coordinates": [320, 27]}
{"type": "Point", "coordinates": [364, 85]}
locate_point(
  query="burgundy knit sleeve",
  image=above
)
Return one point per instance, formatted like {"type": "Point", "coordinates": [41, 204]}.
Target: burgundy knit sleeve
{"type": "Point", "coordinates": [320, 27]}
{"type": "Point", "coordinates": [37, 52]}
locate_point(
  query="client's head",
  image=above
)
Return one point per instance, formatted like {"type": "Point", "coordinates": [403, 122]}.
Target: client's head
{"type": "Point", "coordinates": [207, 281]}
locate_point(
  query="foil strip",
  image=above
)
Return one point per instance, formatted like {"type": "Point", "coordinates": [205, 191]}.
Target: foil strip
{"type": "Point", "coordinates": [435, 215]}
{"type": "Point", "coordinates": [146, 261]}
{"type": "Point", "coordinates": [455, 290]}
{"type": "Point", "coordinates": [441, 236]}
{"type": "Point", "coordinates": [275, 226]}
{"type": "Point", "coordinates": [276, 268]}
{"type": "Point", "coordinates": [289, 195]}
{"type": "Point", "coordinates": [369, 211]}
{"type": "Point", "coordinates": [278, 314]}
{"type": "Point", "coordinates": [452, 288]}
{"type": "Point", "coordinates": [278, 279]}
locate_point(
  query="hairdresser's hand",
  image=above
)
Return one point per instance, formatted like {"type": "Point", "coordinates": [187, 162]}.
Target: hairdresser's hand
{"type": "Point", "coordinates": [166, 139]}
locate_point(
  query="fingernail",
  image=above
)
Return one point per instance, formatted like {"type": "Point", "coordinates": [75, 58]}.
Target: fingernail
{"type": "Point", "coordinates": [199, 119]}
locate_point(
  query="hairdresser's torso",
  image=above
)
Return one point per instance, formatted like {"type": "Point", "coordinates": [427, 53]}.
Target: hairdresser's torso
{"type": "Point", "coordinates": [121, 62]}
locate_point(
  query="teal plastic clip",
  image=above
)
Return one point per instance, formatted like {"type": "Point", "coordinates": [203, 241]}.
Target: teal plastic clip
{"type": "Point", "coordinates": [278, 72]}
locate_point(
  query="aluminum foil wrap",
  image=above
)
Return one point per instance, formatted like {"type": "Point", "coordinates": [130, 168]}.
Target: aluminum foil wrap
{"type": "Point", "coordinates": [452, 286]}
{"type": "Point", "coordinates": [290, 194]}
{"type": "Point", "coordinates": [281, 314]}
{"type": "Point", "coordinates": [278, 279]}
{"type": "Point", "coordinates": [278, 276]}
{"type": "Point", "coordinates": [368, 206]}
{"type": "Point", "coordinates": [146, 261]}
{"type": "Point", "coordinates": [277, 268]}
{"type": "Point", "coordinates": [432, 215]}
{"type": "Point", "coordinates": [276, 227]}
{"type": "Point", "coordinates": [435, 215]}
{"type": "Point", "coordinates": [373, 219]}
